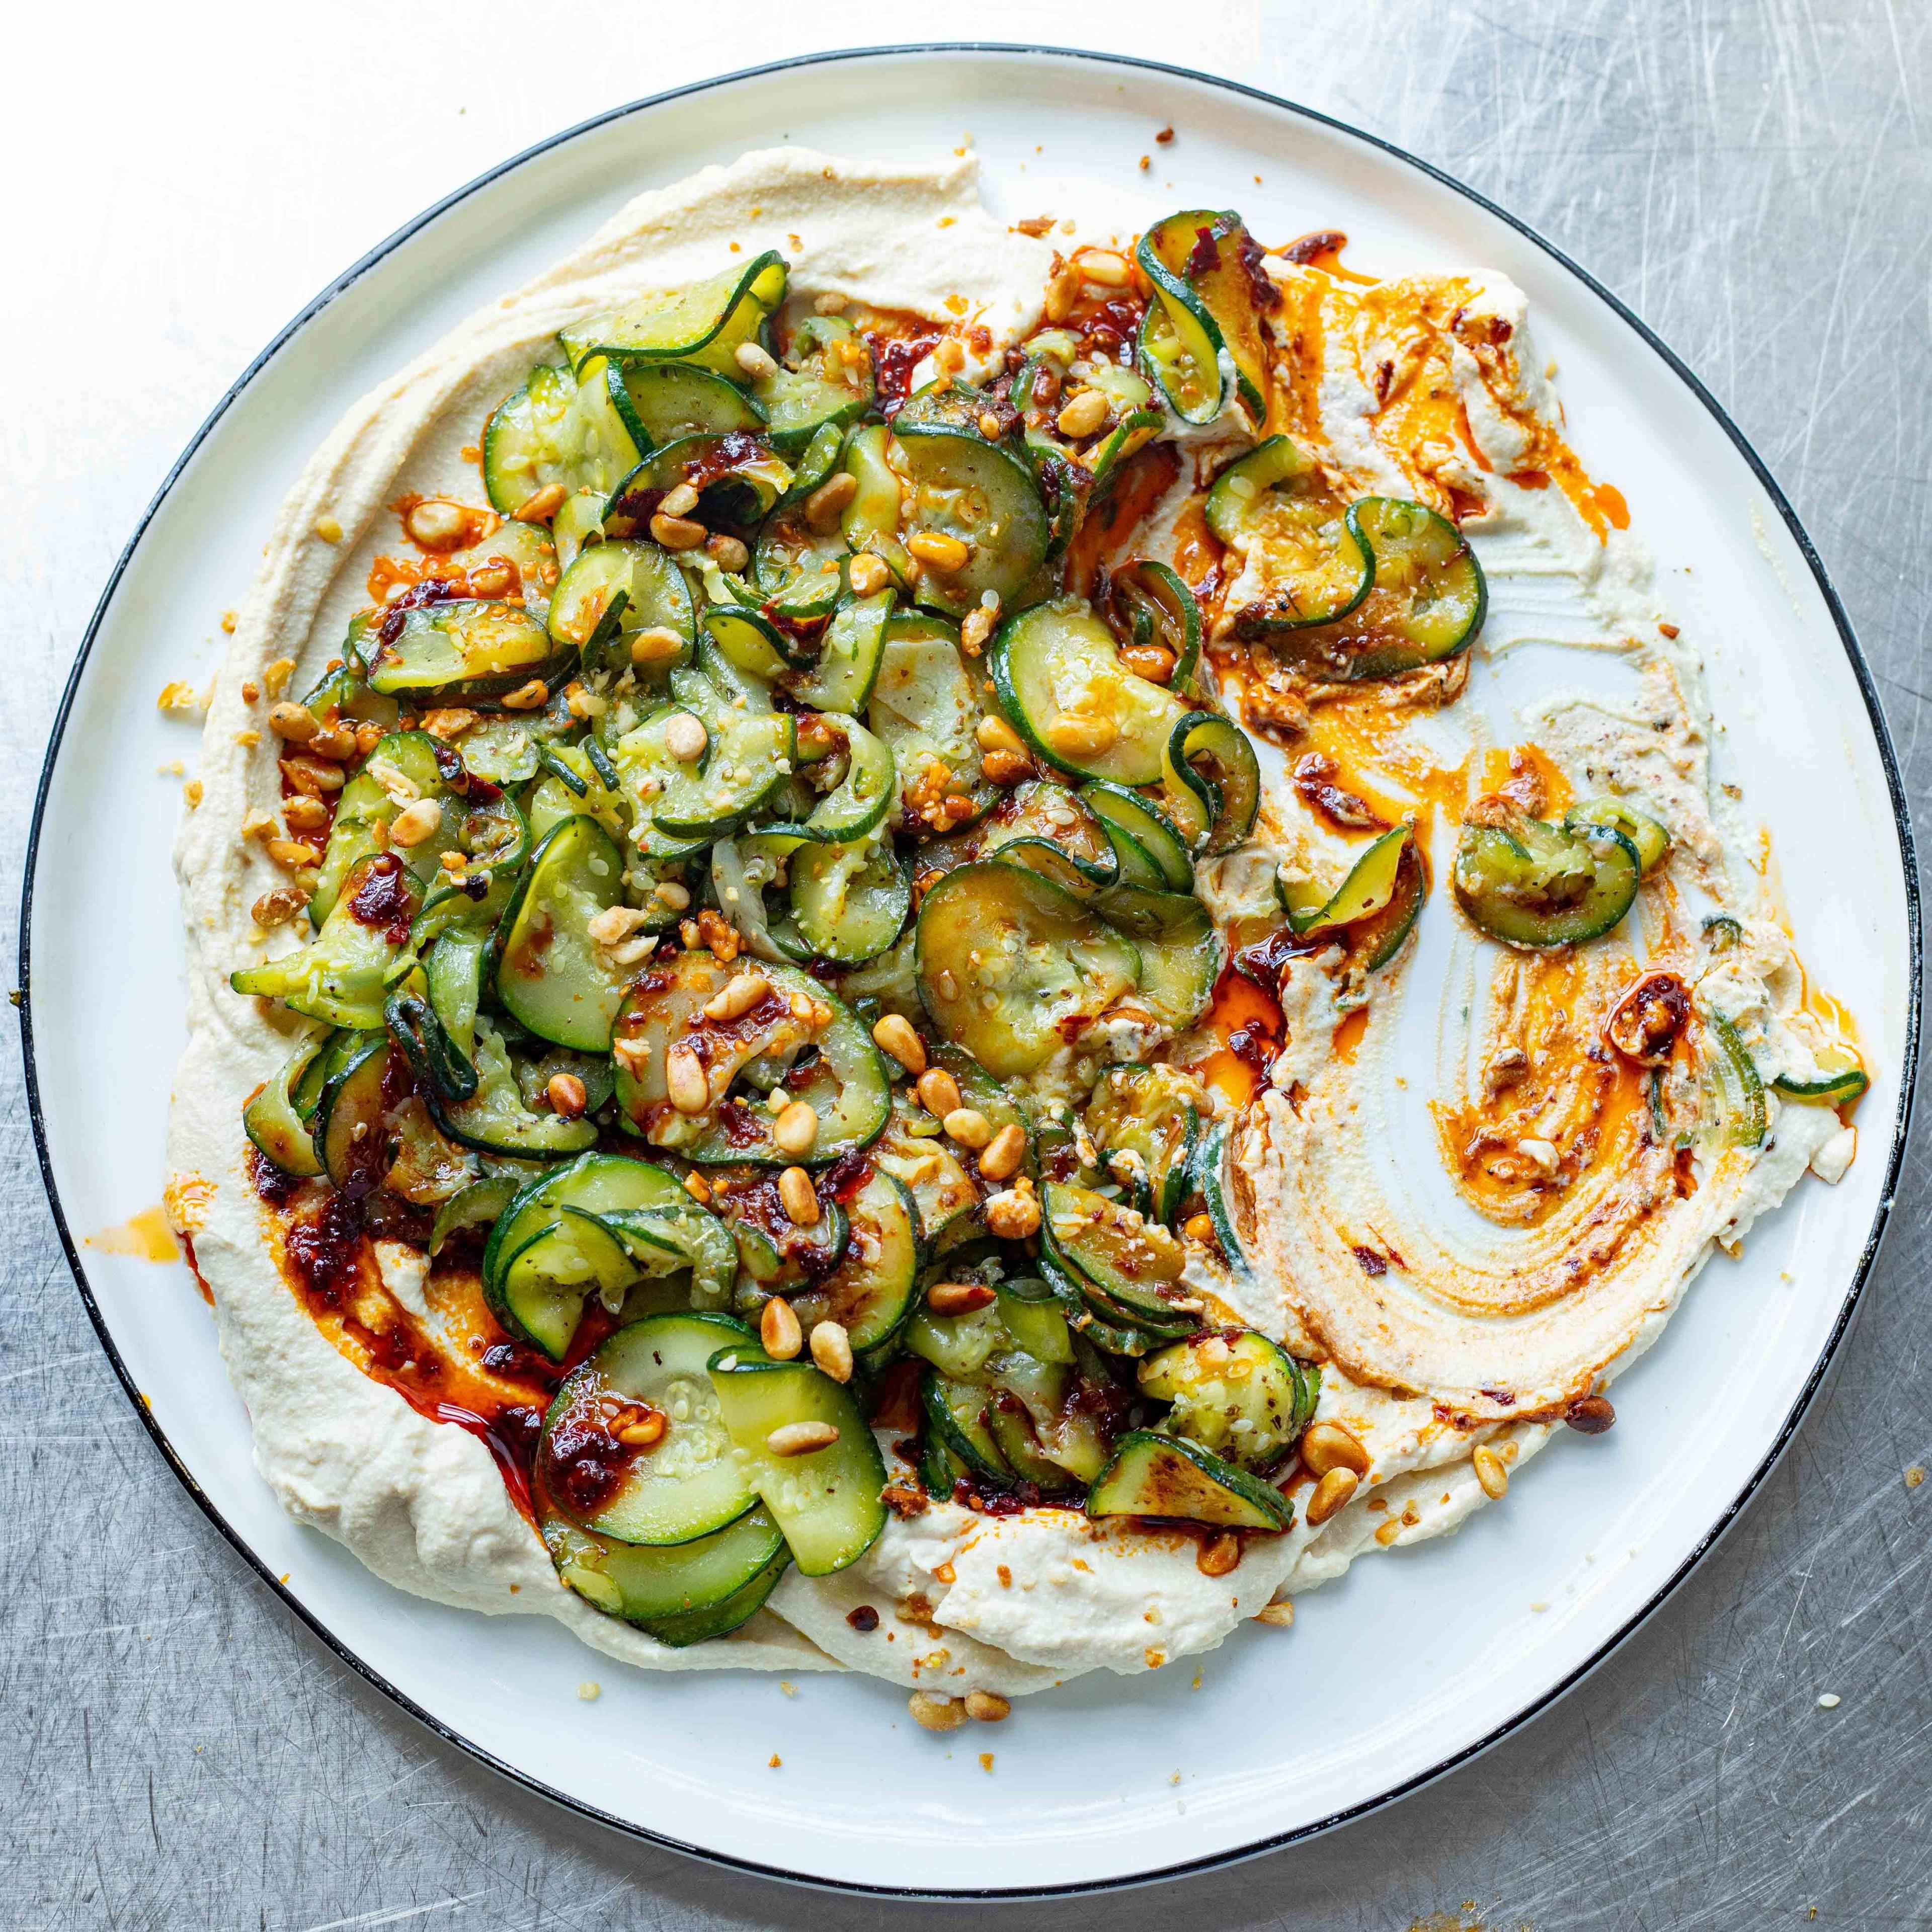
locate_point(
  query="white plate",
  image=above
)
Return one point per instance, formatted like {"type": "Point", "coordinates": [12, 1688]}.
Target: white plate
{"type": "Point", "coordinates": [1410, 1664]}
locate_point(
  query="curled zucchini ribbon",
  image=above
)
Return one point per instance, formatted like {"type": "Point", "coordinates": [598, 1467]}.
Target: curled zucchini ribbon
{"type": "Point", "coordinates": [1378, 903]}
{"type": "Point", "coordinates": [1535, 885]}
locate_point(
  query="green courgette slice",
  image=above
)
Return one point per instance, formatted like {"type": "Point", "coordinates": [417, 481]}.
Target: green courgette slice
{"type": "Point", "coordinates": [1154, 1475]}
{"type": "Point", "coordinates": [342, 976]}
{"type": "Point", "coordinates": [467, 648]}
{"type": "Point", "coordinates": [1150, 1118]}
{"type": "Point", "coordinates": [1154, 833]}
{"type": "Point", "coordinates": [1841, 1076]}
{"type": "Point", "coordinates": [826, 380]}
{"type": "Point", "coordinates": [612, 590]}
{"type": "Point", "coordinates": [737, 479]}
{"type": "Point", "coordinates": [664, 402]}
{"type": "Point", "coordinates": [979, 494]}
{"type": "Point", "coordinates": [705, 323]}
{"type": "Point", "coordinates": [1010, 965]}
{"type": "Point", "coordinates": [955, 1413]}
{"type": "Point", "coordinates": [825, 1501]}
{"type": "Point", "coordinates": [1134, 1262]}
{"type": "Point", "coordinates": [1650, 840]}
{"type": "Point", "coordinates": [1534, 885]}
{"type": "Point", "coordinates": [1057, 670]}
{"type": "Point", "coordinates": [551, 976]}
{"type": "Point", "coordinates": [270, 1119]}
{"type": "Point", "coordinates": [1302, 561]}
{"type": "Point", "coordinates": [845, 1084]}
{"type": "Point", "coordinates": [1205, 268]}
{"type": "Point", "coordinates": [690, 1482]}
{"type": "Point", "coordinates": [1181, 950]}
{"type": "Point", "coordinates": [1734, 1087]}
{"type": "Point", "coordinates": [1235, 1392]}
{"type": "Point", "coordinates": [924, 707]}
{"type": "Point", "coordinates": [841, 677]}
{"type": "Point", "coordinates": [1149, 605]}
{"type": "Point", "coordinates": [871, 1293]}
{"type": "Point", "coordinates": [495, 1119]}
{"type": "Point", "coordinates": [555, 431]}
{"type": "Point", "coordinates": [1370, 887]}
{"type": "Point", "coordinates": [849, 903]}
{"type": "Point", "coordinates": [352, 1142]}
{"type": "Point", "coordinates": [681, 1595]}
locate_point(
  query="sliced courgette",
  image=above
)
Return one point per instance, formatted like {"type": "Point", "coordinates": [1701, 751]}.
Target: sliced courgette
{"type": "Point", "coordinates": [1057, 670]}
{"type": "Point", "coordinates": [826, 1501]}
{"type": "Point", "coordinates": [1234, 1392]}
{"type": "Point", "coordinates": [705, 323]}
{"type": "Point", "coordinates": [871, 1293]}
{"type": "Point", "coordinates": [690, 1482]}
{"type": "Point", "coordinates": [1535, 885]}
{"type": "Point", "coordinates": [1302, 561]}
{"type": "Point", "coordinates": [1163, 1476]}
{"type": "Point", "coordinates": [1011, 967]}
{"type": "Point", "coordinates": [467, 648]}
{"type": "Point", "coordinates": [551, 976]}
{"type": "Point", "coordinates": [270, 1119]}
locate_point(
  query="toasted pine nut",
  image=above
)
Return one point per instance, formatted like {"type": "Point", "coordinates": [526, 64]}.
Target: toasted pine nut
{"type": "Point", "coordinates": [437, 523]}
{"type": "Point", "coordinates": [797, 1128]}
{"type": "Point", "coordinates": [1000, 1160]}
{"type": "Point", "coordinates": [1331, 1493]}
{"type": "Point", "coordinates": [685, 738]}
{"type": "Point", "coordinates": [800, 1197]}
{"type": "Point", "coordinates": [931, 1713]}
{"type": "Point", "coordinates": [801, 1439]}
{"type": "Point", "coordinates": [613, 924]}
{"type": "Point", "coordinates": [305, 814]}
{"type": "Point", "coordinates": [1005, 768]}
{"type": "Point", "coordinates": [778, 1332]}
{"type": "Point", "coordinates": [969, 1127]}
{"type": "Point", "coordinates": [566, 1094]}
{"type": "Point", "coordinates": [1198, 1228]}
{"type": "Point", "coordinates": [668, 892]}
{"type": "Point", "coordinates": [684, 1078]}
{"type": "Point", "coordinates": [958, 1298]}
{"type": "Point", "coordinates": [826, 504]}
{"type": "Point", "coordinates": [989, 425]}
{"type": "Point", "coordinates": [757, 363]}
{"type": "Point", "coordinates": [894, 1034]}
{"type": "Point", "coordinates": [340, 741]}
{"type": "Point", "coordinates": [1327, 1445]}
{"type": "Point", "coordinates": [938, 1092]}
{"type": "Point", "coordinates": [943, 553]}
{"type": "Point", "coordinates": [540, 508]}
{"type": "Point", "coordinates": [1490, 1473]}
{"type": "Point", "coordinates": [995, 734]}
{"type": "Point", "coordinates": [1219, 1556]}
{"type": "Point", "coordinates": [450, 723]}
{"type": "Point", "coordinates": [1104, 266]}
{"type": "Point", "coordinates": [531, 696]}
{"type": "Point", "coordinates": [831, 1350]}
{"type": "Point", "coordinates": [737, 997]}
{"type": "Point", "coordinates": [312, 775]}
{"type": "Point", "coordinates": [679, 501]}
{"type": "Point", "coordinates": [1084, 415]}
{"type": "Point", "coordinates": [654, 645]}
{"type": "Point", "coordinates": [1279, 1616]}
{"type": "Point", "coordinates": [644, 1429]}
{"type": "Point", "coordinates": [416, 822]}
{"type": "Point", "coordinates": [675, 532]}
{"type": "Point", "coordinates": [278, 906]}
{"type": "Point", "coordinates": [727, 553]}
{"type": "Point", "coordinates": [1076, 737]}
{"type": "Point", "coordinates": [977, 628]}
{"type": "Point", "coordinates": [494, 579]}
{"type": "Point", "coordinates": [295, 722]}
{"type": "Point", "coordinates": [292, 853]}
{"type": "Point", "coordinates": [988, 1707]}
{"type": "Point", "coordinates": [1154, 662]}
{"type": "Point", "coordinates": [1015, 1214]}
{"type": "Point", "coordinates": [868, 573]}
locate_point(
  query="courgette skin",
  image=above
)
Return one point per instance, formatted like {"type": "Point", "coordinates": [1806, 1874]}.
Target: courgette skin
{"type": "Point", "coordinates": [1166, 1476]}
{"type": "Point", "coordinates": [1537, 886]}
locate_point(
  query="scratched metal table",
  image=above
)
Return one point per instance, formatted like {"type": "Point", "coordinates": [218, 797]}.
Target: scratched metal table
{"type": "Point", "coordinates": [1755, 177]}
